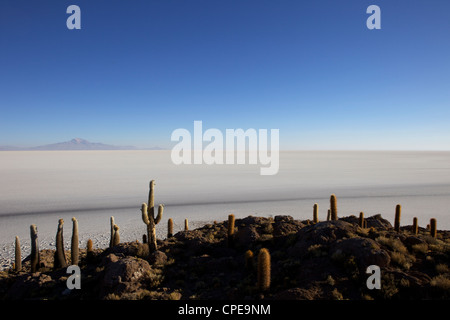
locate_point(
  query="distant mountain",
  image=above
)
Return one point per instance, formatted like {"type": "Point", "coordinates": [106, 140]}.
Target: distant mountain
{"type": "Point", "coordinates": [75, 144]}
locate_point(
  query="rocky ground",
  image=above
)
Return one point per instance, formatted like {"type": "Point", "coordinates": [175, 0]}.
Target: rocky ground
{"type": "Point", "coordinates": [323, 261]}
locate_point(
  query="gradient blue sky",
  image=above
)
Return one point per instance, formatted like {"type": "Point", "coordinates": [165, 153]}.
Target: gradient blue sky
{"type": "Point", "coordinates": [137, 70]}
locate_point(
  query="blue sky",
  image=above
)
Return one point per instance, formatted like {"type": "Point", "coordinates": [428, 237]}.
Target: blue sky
{"type": "Point", "coordinates": [137, 70]}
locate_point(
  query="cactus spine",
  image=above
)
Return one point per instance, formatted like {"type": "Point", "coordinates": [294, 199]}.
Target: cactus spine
{"type": "Point", "coordinates": [35, 255]}
{"type": "Point", "coordinates": [398, 213]}
{"type": "Point", "coordinates": [263, 270]}
{"type": "Point", "coordinates": [186, 225]}
{"type": "Point", "coordinates": [415, 227]}
{"type": "Point", "coordinates": [60, 256]}
{"type": "Point", "coordinates": [148, 216]}
{"type": "Point", "coordinates": [75, 250]}
{"type": "Point", "coordinates": [433, 230]}
{"type": "Point", "coordinates": [18, 256]}
{"type": "Point", "coordinates": [231, 222]}
{"type": "Point", "coordinates": [333, 207]}
{"type": "Point", "coordinates": [316, 213]}
{"type": "Point", "coordinates": [361, 220]}
{"type": "Point", "coordinates": [111, 241]}
{"type": "Point", "coordinates": [170, 228]}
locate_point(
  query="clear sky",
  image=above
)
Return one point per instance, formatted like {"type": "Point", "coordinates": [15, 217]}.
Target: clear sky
{"type": "Point", "coordinates": [137, 70]}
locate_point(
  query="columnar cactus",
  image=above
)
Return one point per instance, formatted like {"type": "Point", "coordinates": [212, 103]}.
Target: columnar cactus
{"type": "Point", "coordinates": [35, 254]}
{"type": "Point", "coordinates": [361, 220]}
{"type": "Point", "coordinates": [148, 216]}
{"type": "Point", "coordinates": [329, 215]}
{"type": "Point", "coordinates": [415, 227]}
{"type": "Point", "coordinates": [18, 255]}
{"type": "Point", "coordinates": [231, 222]}
{"type": "Point", "coordinates": [60, 256]}
{"type": "Point", "coordinates": [74, 250]}
{"type": "Point", "coordinates": [263, 270]}
{"type": "Point", "coordinates": [316, 213]}
{"type": "Point", "coordinates": [186, 225]}
{"type": "Point", "coordinates": [116, 235]}
{"type": "Point", "coordinates": [398, 212]}
{"type": "Point", "coordinates": [433, 229]}
{"type": "Point", "coordinates": [111, 240]}
{"type": "Point", "coordinates": [144, 238]}
{"type": "Point", "coordinates": [333, 207]}
{"type": "Point", "coordinates": [249, 260]}
{"type": "Point", "coordinates": [90, 250]}
{"type": "Point", "coordinates": [170, 228]}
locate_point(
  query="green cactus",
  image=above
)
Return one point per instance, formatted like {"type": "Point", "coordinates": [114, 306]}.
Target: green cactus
{"type": "Point", "coordinates": [231, 222]}
{"type": "Point", "coordinates": [316, 213]}
{"type": "Point", "coordinates": [415, 226]}
{"type": "Point", "coordinates": [18, 255]}
{"type": "Point", "coordinates": [398, 213]}
{"type": "Point", "coordinates": [333, 207]}
{"type": "Point", "coordinates": [433, 227]}
{"type": "Point", "coordinates": [148, 216]}
{"type": "Point", "coordinates": [170, 228]}
{"type": "Point", "coordinates": [35, 258]}
{"type": "Point", "coordinates": [60, 255]}
{"type": "Point", "coordinates": [74, 250]}
{"type": "Point", "coordinates": [263, 270]}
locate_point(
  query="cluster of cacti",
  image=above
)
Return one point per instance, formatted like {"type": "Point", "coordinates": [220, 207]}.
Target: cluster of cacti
{"type": "Point", "coordinates": [60, 255]}
{"type": "Point", "coordinates": [333, 207]}
{"type": "Point", "coordinates": [148, 216]}
{"type": "Point", "coordinates": [263, 276]}
{"type": "Point", "coordinates": [231, 222]}
{"type": "Point", "coordinates": [316, 213]}
{"type": "Point", "coordinates": [398, 212]}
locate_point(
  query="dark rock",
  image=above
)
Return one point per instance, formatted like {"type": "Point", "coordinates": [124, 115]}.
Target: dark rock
{"type": "Point", "coordinates": [366, 251]}
{"type": "Point", "coordinates": [158, 258]}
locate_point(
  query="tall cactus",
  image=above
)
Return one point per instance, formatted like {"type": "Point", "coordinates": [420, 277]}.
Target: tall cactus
{"type": "Point", "coordinates": [333, 207]}
{"type": "Point", "coordinates": [148, 216]}
{"type": "Point", "coordinates": [186, 225]}
{"type": "Point", "coordinates": [89, 250]}
{"type": "Point", "coordinates": [263, 270]}
{"type": "Point", "coordinates": [398, 213]}
{"type": "Point", "coordinates": [328, 215]}
{"type": "Point", "coordinates": [60, 256]}
{"type": "Point", "coordinates": [18, 255]}
{"type": "Point", "coordinates": [74, 250]}
{"type": "Point", "coordinates": [361, 220]}
{"type": "Point", "coordinates": [35, 254]}
{"type": "Point", "coordinates": [433, 229]}
{"type": "Point", "coordinates": [116, 240]}
{"type": "Point", "coordinates": [112, 224]}
{"type": "Point", "coordinates": [231, 222]}
{"type": "Point", "coordinates": [316, 213]}
{"type": "Point", "coordinates": [170, 228]}
{"type": "Point", "coordinates": [415, 226]}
